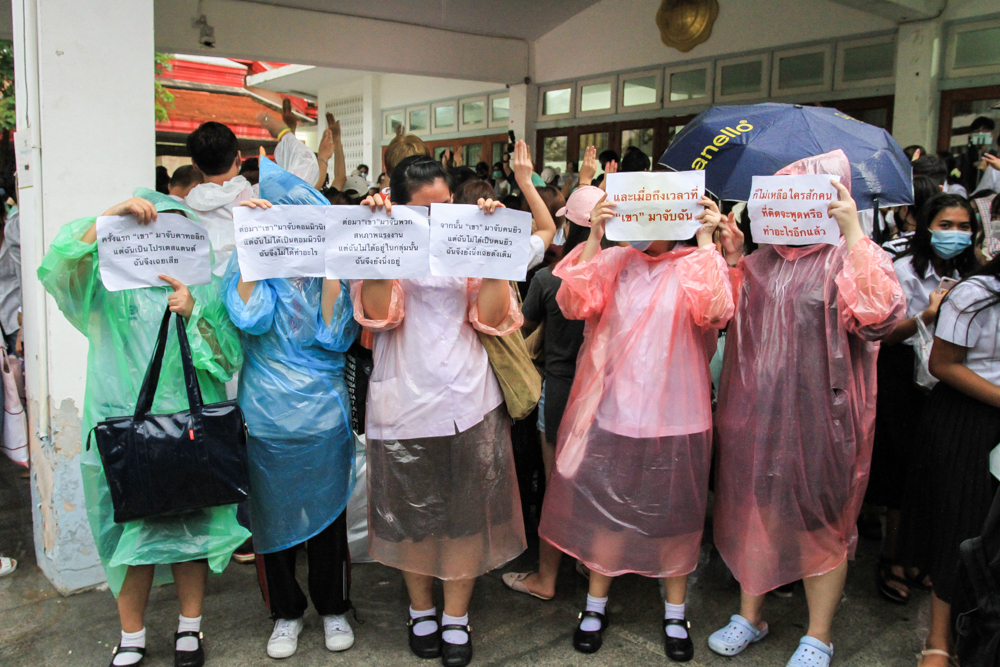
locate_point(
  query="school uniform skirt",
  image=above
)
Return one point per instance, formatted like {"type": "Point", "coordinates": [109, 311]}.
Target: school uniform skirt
{"type": "Point", "coordinates": [900, 401]}
{"type": "Point", "coordinates": [950, 490]}
{"type": "Point", "coordinates": [447, 507]}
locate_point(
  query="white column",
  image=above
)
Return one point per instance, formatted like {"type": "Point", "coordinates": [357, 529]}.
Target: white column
{"type": "Point", "coordinates": [371, 86]}
{"type": "Point", "coordinates": [84, 76]}
{"type": "Point", "coordinates": [524, 112]}
{"type": "Point", "coordinates": [918, 54]}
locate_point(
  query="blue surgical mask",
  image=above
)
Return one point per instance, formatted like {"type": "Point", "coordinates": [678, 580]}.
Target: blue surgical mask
{"type": "Point", "coordinates": [497, 175]}
{"type": "Point", "coordinates": [950, 243]}
{"type": "Point", "coordinates": [641, 246]}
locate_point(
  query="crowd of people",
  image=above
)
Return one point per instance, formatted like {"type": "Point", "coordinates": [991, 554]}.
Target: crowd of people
{"type": "Point", "coordinates": [668, 368]}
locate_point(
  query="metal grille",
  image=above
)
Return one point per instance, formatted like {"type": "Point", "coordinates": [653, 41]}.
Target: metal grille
{"type": "Point", "coordinates": [350, 112]}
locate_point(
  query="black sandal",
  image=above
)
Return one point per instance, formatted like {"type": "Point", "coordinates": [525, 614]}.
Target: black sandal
{"type": "Point", "coordinates": [195, 658]}
{"type": "Point", "coordinates": [589, 641]}
{"type": "Point", "coordinates": [456, 655]}
{"type": "Point", "coordinates": [883, 575]}
{"type": "Point", "coordinates": [426, 646]}
{"type": "Point", "coordinates": [128, 649]}
{"type": "Point", "coordinates": [678, 649]}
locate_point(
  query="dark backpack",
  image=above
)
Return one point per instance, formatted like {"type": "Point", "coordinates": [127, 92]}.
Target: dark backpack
{"type": "Point", "coordinates": [976, 607]}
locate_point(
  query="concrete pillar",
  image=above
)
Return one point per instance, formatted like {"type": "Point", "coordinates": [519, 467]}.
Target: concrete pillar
{"type": "Point", "coordinates": [918, 55]}
{"type": "Point", "coordinates": [371, 87]}
{"type": "Point", "coordinates": [524, 112]}
{"type": "Point", "coordinates": [85, 140]}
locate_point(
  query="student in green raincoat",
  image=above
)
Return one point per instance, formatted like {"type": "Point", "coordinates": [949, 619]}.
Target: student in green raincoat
{"type": "Point", "coordinates": [122, 328]}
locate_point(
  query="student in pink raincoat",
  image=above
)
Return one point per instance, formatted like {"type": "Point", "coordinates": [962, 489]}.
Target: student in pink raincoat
{"type": "Point", "coordinates": [796, 415]}
{"type": "Point", "coordinates": [629, 489]}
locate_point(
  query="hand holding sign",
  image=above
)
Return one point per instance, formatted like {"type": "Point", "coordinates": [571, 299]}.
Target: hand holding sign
{"type": "Point", "coordinates": [133, 249]}
{"type": "Point", "coordinates": [845, 212]}
{"type": "Point", "coordinates": [797, 210]}
{"type": "Point", "coordinates": [484, 241]}
{"type": "Point", "coordinates": [655, 206]}
{"type": "Point", "coordinates": [280, 241]}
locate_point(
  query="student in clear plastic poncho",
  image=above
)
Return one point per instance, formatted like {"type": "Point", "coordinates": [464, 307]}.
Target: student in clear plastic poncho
{"type": "Point", "coordinates": [122, 328]}
{"type": "Point", "coordinates": [630, 485]}
{"type": "Point", "coordinates": [796, 415]}
{"type": "Point", "coordinates": [301, 449]}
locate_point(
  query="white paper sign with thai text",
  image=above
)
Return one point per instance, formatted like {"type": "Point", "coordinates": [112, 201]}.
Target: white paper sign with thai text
{"type": "Point", "coordinates": [792, 210]}
{"type": "Point", "coordinates": [366, 244]}
{"type": "Point", "coordinates": [468, 243]}
{"type": "Point", "coordinates": [655, 206]}
{"type": "Point", "coordinates": [281, 242]}
{"type": "Point", "coordinates": [132, 255]}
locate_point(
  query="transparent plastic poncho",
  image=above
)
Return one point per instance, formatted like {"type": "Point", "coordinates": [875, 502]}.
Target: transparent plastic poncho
{"type": "Point", "coordinates": [630, 486]}
{"type": "Point", "coordinates": [122, 329]}
{"type": "Point", "coordinates": [293, 393]}
{"type": "Point", "coordinates": [796, 409]}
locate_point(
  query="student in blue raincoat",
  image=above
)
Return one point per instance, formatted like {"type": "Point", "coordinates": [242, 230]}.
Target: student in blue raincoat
{"type": "Point", "coordinates": [301, 448]}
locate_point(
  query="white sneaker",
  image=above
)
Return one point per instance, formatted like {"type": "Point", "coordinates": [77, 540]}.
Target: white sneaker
{"type": "Point", "coordinates": [285, 638]}
{"type": "Point", "coordinates": [339, 635]}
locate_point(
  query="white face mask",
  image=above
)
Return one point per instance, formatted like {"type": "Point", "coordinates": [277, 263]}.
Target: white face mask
{"type": "Point", "coordinates": [890, 218]}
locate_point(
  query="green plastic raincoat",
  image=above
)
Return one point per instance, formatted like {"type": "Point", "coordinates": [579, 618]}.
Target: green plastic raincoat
{"type": "Point", "coordinates": [122, 329]}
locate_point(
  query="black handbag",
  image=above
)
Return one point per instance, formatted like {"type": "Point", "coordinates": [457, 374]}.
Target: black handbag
{"type": "Point", "coordinates": [166, 464]}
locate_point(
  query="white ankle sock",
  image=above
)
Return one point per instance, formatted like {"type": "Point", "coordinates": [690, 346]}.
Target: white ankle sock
{"type": "Point", "coordinates": [593, 604]}
{"type": "Point", "coordinates": [454, 636]}
{"type": "Point", "coordinates": [133, 639]}
{"type": "Point", "coordinates": [185, 624]}
{"type": "Point", "coordinates": [675, 611]}
{"type": "Point", "coordinates": [428, 625]}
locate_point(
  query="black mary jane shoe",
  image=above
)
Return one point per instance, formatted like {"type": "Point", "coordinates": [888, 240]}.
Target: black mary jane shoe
{"type": "Point", "coordinates": [589, 641]}
{"type": "Point", "coordinates": [427, 646]}
{"type": "Point", "coordinates": [195, 658]}
{"type": "Point", "coordinates": [678, 650]}
{"type": "Point", "coordinates": [456, 655]}
{"type": "Point", "coordinates": [128, 649]}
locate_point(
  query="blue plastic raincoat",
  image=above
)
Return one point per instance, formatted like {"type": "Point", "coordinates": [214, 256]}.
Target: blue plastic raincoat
{"type": "Point", "coordinates": [122, 328]}
{"type": "Point", "coordinates": [292, 392]}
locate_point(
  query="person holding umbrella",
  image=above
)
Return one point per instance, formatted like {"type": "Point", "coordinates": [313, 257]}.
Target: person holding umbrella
{"type": "Point", "coordinates": [796, 415]}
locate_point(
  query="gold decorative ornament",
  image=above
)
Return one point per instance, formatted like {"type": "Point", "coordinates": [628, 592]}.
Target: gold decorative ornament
{"type": "Point", "coordinates": [684, 24]}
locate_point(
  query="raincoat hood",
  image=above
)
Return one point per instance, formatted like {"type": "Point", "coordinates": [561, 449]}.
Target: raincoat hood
{"type": "Point", "coordinates": [209, 196]}
{"type": "Point", "coordinates": [164, 202]}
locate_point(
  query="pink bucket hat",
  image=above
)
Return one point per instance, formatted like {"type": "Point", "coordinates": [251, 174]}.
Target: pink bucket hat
{"type": "Point", "coordinates": [580, 204]}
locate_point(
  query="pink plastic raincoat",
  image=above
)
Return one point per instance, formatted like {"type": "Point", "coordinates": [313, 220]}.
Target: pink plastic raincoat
{"type": "Point", "coordinates": [442, 490]}
{"type": "Point", "coordinates": [629, 489]}
{"type": "Point", "coordinates": [796, 408]}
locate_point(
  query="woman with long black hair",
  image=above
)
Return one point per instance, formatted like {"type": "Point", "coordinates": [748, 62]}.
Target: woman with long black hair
{"type": "Point", "coordinates": [951, 489]}
{"type": "Point", "coordinates": [940, 247]}
{"type": "Point", "coordinates": [442, 493]}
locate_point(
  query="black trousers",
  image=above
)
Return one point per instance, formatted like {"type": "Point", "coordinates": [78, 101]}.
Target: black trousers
{"type": "Point", "coordinates": [329, 575]}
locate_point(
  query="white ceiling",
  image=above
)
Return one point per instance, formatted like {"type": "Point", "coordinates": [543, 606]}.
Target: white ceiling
{"type": "Point", "coordinates": [299, 79]}
{"type": "Point", "coordinates": [521, 19]}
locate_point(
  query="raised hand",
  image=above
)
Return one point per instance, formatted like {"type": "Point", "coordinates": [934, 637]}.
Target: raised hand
{"type": "Point", "coordinates": [288, 115]}
{"type": "Point", "coordinates": [521, 164]}
{"type": "Point", "coordinates": [710, 218]}
{"type": "Point", "coordinates": [589, 167]}
{"type": "Point", "coordinates": [181, 301]}
{"type": "Point", "coordinates": [732, 240]}
{"type": "Point", "coordinates": [599, 216]}
{"type": "Point", "coordinates": [272, 122]}
{"type": "Point", "coordinates": [325, 151]}
{"type": "Point", "coordinates": [610, 168]}
{"type": "Point", "coordinates": [333, 125]}
{"type": "Point", "coordinates": [845, 212]}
